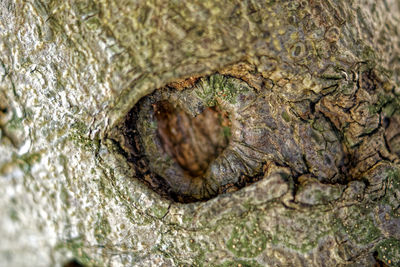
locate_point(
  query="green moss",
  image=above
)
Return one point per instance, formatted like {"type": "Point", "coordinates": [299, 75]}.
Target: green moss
{"type": "Point", "coordinates": [13, 215]}
{"type": "Point", "coordinates": [102, 229]}
{"type": "Point", "coordinates": [369, 56]}
{"type": "Point", "coordinates": [322, 195]}
{"type": "Point", "coordinates": [55, 27]}
{"type": "Point", "coordinates": [393, 189]}
{"type": "Point", "coordinates": [136, 218]}
{"type": "Point", "coordinates": [26, 161]}
{"type": "Point", "coordinates": [247, 240]}
{"type": "Point", "coordinates": [389, 251]}
{"type": "Point", "coordinates": [228, 91]}
{"type": "Point", "coordinates": [79, 127]}
{"type": "Point", "coordinates": [31, 158]}
{"type": "Point", "coordinates": [226, 131]}
{"type": "Point", "coordinates": [218, 86]}
{"type": "Point", "coordinates": [359, 226]}
{"type": "Point", "coordinates": [206, 93]}
{"type": "Point", "coordinates": [292, 235]}
{"type": "Point", "coordinates": [391, 108]}
{"type": "Point", "coordinates": [87, 8]}
{"type": "Point", "coordinates": [79, 136]}
{"type": "Point", "coordinates": [76, 246]}
{"type": "Point", "coordinates": [386, 103]}
{"type": "Point", "coordinates": [93, 23]}
{"type": "Point", "coordinates": [200, 256]}
{"type": "Point", "coordinates": [393, 179]}
{"type": "Point", "coordinates": [332, 76]}
{"type": "Point", "coordinates": [285, 116]}
{"type": "Point", "coordinates": [15, 123]}
{"type": "Point", "coordinates": [319, 125]}
{"type": "Point", "coordinates": [158, 211]}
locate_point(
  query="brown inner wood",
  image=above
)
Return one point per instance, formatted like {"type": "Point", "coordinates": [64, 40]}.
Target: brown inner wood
{"type": "Point", "coordinates": [193, 142]}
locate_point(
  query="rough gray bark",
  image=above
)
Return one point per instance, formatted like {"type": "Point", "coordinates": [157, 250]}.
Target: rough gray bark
{"type": "Point", "coordinates": [71, 70]}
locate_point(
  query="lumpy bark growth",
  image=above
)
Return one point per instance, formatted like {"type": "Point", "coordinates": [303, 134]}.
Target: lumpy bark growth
{"type": "Point", "coordinates": [183, 136]}
{"type": "Point", "coordinates": [220, 134]}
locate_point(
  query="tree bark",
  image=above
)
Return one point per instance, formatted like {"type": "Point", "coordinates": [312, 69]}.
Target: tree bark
{"type": "Point", "coordinates": [329, 71]}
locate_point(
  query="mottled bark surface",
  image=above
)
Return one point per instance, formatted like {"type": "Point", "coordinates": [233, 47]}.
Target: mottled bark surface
{"type": "Point", "coordinates": [325, 122]}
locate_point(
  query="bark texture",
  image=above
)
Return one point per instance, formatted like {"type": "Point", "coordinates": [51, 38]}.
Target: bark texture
{"type": "Point", "coordinates": [71, 70]}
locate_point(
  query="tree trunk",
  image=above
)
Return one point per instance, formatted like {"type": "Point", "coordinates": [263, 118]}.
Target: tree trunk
{"type": "Point", "coordinates": [319, 180]}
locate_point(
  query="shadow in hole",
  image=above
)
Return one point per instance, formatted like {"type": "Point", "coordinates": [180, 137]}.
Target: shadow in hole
{"type": "Point", "coordinates": [72, 263]}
